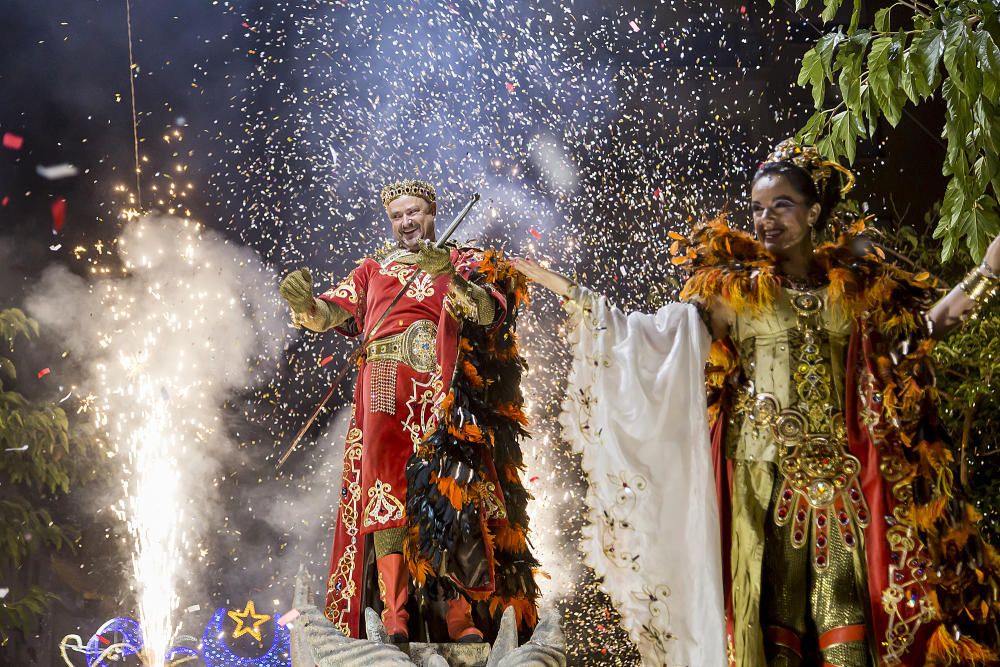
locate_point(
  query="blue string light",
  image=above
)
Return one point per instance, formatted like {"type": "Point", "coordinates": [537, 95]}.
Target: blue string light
{"type": "Point", "coordinates": [214, 650]}
{"type": "Point", "coordinates": [216, 653]}
{"type": "Point", "coordinates": [130, 632]}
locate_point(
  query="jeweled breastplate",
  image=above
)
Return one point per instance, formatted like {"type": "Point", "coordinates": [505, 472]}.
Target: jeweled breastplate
{"type": "Point", "coordinates": [818, 475]}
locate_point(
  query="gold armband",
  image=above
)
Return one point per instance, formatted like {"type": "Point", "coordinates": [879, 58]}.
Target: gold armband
{"type": "Point", "coordinates": [979, 284]}
{"type": "Point", "coordinates": [470, 301]}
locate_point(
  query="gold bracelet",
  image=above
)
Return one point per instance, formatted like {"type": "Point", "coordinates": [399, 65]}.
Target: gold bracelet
{"type": "Point", "coordinates": [978, 286]}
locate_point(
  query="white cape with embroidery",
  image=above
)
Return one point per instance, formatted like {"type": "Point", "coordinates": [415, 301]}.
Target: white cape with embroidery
{"type": "Point", "coordinates": [635, 409]}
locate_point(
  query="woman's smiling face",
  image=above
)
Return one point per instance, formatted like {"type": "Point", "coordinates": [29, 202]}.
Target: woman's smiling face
{"type": "Point", "coordinates": [782, 216]}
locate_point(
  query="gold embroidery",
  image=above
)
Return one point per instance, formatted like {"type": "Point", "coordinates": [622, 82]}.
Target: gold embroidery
{"type": "Point", "coordinates": [819, 476]}
{"type": "Point", "coordinates": [382, 507]}
{"type": "Point", "coordinates": [421, 417]}
{"type": "Point", "coordinates": [340, 585]}
{"type": "Point", "coordinates": [905, 599]}
{"type": "Point", "coordinates": [659, 611]}
{"type": "Point", "coordinates": [345, 290]}
{"type": "Point", "coordinates": [487, 493]}
{"type": "Point", "coordinates": [383, 387]}
{"type": "Point", "coordinates": [421, 288]}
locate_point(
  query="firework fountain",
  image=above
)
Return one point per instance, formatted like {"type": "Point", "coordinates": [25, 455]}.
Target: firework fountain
{"type": "Point", "coordinates": [177, 333]}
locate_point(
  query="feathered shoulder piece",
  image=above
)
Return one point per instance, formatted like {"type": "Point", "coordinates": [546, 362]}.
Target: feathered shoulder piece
{"type": "Point", "coordinates": [728, 264]}
{"type": "Point", "coordinates": [724, 263]}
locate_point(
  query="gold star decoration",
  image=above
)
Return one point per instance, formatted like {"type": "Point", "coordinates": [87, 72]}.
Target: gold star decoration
{"type": "Point", "coordinates": [241, 618]}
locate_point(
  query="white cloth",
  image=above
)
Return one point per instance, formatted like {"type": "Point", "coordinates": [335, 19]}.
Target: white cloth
{"type": "Point", "coordinates": [636, 410]}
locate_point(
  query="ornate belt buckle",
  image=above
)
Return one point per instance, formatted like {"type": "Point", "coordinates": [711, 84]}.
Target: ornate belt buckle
{"type": "Point", "coordinates": [420, 346]}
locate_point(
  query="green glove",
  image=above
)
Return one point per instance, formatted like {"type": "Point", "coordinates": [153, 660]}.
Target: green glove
{"type": "Point", "coordinates": [433, 260]}
{"type": "Point", "coordinates": [297, 290]}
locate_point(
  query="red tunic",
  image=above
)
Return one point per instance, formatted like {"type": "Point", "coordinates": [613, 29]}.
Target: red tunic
{"type": "Point", "coordinates": [395, 407]}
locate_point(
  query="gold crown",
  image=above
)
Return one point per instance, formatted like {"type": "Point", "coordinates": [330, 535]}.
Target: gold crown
{"type": "Point", "coordinates": [412, 187]}
{"type": "Point", "coordinates": [810, 161]}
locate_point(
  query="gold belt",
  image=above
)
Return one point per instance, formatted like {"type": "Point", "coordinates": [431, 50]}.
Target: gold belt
{"type": "Point", "coordinates": [820, 485]}
{"type": "Point", "coordinates": [416, 347]}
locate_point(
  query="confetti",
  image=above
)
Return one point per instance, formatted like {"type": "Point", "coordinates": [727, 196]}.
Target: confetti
{"type": "Point", "coordinates": [12, 141]}
{"type": "Point", "coordinates": [634, 26]}
{"type": "Point", "coordinates": [57, 171]}
{"type": "Point", "coordinates": [288, 617]}
{"type": "Point", "coordinates": [22, 448]}
{"type": "Point", "coordinates": [58, 214]}
{"type": "Point", "coordinates": [326, 360]}
{"type": "Point", "coordinates": [534, 232]}
{"type": "Point", "coordinates": [42, 373]}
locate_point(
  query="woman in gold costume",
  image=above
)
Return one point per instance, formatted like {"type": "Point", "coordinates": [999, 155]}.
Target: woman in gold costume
{"type": "Point", "coordinates": [842, 540]}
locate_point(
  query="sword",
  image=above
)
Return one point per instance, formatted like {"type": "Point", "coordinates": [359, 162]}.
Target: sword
{"type": "Point", "coordinates": [359, 350]}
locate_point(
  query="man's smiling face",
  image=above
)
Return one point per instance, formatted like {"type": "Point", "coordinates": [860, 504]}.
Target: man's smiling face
{"type": "Point", "coordinates": [412, 220]}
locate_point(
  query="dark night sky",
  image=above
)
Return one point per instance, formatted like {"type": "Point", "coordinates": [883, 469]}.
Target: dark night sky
{"type": "Point", "coordinates": [265, 92]}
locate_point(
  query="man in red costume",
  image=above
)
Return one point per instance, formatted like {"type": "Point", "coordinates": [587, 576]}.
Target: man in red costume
{"type": "Point", "coordinates": [407, 374]}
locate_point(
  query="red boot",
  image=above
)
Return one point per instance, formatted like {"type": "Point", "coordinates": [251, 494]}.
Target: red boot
{"type": "Point", "coordinates": [461, 629]}
{"type": "Point", "coordinates": [393, 587]}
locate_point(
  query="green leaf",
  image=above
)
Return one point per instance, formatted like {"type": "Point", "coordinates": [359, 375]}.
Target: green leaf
{"type": "Point", "coordinates": [7, 367]}
{"type": "Point", "coordinates": [855, 17]}
{"type": "Point", "coordinates": [812, 75]}
{"type": "Point", "coordinates": [842, 132]}
{"type": "Point", "coordinates": [826, 47]}
{"type": "Point", "coordinates": [883, 71]}
{"type": "Point", "coordinates": [924, 61]}
{"type": "Point", "coordinates": [954, 201]}
{"type": "Point", "coordinates": [830, 9]}
{"type": "Point", "coordinates": [882, 19]}
{"type": "Point", "coordinates": [800, 5]}
{"type": "Point", "coordinates": [956, 47]}
{"type": "Point", "coordinates": [988, 61]}
{"type": "Point", "coordinates": [812, 128]}
{"type": "Point", "coordinates": [849, 59]}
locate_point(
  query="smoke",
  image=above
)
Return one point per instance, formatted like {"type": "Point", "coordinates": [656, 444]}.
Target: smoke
{"type": "Point", "coordinates": [187, 322]}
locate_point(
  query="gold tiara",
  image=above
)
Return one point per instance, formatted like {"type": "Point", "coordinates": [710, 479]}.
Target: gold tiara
{"type": "Point", "coordinates": [809, 160]}
{"type": "Point", "coordinates": [411, 187]}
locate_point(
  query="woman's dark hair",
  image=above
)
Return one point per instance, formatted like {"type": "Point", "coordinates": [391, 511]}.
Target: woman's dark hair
{"type": "Point", "coordinates": [803, 184]}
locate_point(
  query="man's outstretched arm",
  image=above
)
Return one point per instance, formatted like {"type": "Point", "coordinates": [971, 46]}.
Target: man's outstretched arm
{"type": "Point", "coordinates": [308, 311]}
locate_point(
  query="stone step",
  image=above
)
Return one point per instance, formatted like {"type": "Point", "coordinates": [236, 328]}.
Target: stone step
{"type": "Point", "coordinates": [457, 655]}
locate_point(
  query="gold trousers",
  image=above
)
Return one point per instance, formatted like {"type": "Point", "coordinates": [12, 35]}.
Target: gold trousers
{"type": "Point", "coordinates": [811, 606]}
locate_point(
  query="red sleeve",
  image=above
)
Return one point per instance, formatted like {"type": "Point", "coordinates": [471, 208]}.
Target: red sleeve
{"type": "Point", "coordinates": [350, 294]}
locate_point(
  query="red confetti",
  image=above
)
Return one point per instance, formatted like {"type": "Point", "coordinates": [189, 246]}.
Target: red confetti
{"type": "Point", "coordinates": [534, 232]}
{"type": "Point", "coordinates": [533, 479]}
{"type": "Point", "coordinates": [656, 195]}
{"type": "Point", "coordinates": [600, 626]}
{"type": "Point", "coordinates": [510, 87]}
{"type": "Point", "coordinates": [4, 201]}
{"type": "Point", "coordinates": [58, 214]}
{"type": "Point", "coordinates": [743, 9]}
{"type": "Point", "coordinates": [326, 361]}
{"type": "Point", "coordinates": [42, 373]}
{"type": "Point", "coordinates": [244, 24]}
{"type": "Point", "coordinates": [12, 141]}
